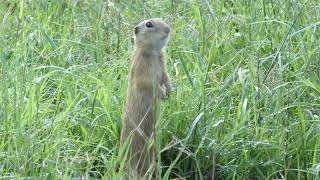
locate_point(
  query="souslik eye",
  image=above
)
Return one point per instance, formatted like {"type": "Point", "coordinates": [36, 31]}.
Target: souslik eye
{"type": "Point", "coordinates": [149, 24]}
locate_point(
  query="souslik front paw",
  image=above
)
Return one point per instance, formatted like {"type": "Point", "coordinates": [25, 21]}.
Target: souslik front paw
{"type": "Point", "coordinates": [165, 91]}
{"type": "Point", "coordinates": [162, 93]}
{"type": "Point", "coordinates": [168, 87]}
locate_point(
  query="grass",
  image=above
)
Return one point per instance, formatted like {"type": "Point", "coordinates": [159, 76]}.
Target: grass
{"type": "Point", "coordinates": [246, 100]}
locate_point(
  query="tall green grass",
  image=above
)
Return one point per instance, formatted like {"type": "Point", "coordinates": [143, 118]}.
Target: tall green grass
{"type": "Point", "coordinates": [246, 76]}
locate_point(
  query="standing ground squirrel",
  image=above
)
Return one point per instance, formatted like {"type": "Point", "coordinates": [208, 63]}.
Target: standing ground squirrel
{"type": "Point", "coordinates": [148, 83]}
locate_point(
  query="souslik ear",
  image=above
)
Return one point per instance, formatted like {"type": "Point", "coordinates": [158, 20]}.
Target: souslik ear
{"type": "Point", "coordinates": [136, 30]}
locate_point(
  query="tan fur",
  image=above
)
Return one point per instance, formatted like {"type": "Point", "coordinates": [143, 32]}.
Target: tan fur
{"type": "Point", "coordinates": [148, 83]}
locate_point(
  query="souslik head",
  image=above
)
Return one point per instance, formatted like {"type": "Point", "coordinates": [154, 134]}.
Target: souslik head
{"type": "Point", "coordinates": [152, 34]}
